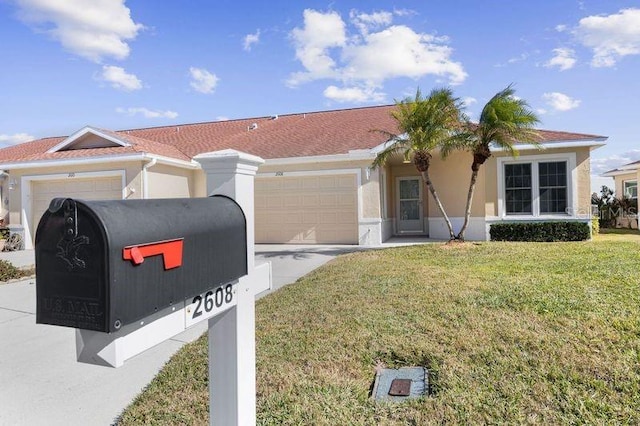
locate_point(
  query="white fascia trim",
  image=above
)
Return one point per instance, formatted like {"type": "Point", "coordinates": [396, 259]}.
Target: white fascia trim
{"type": "Point", "coordinates": [356, 155]}
{"type": "Point", "coordinates": [618, 173]}
{"type": "Point", "coordinates": [173, 161]}
{"type": "Point", "coordinates": [87, 129]}
{"type": "Point", "coordinates": [378, 149]}
{"type": "Point", "coordinates": [629, 167]}
{"type": "Point", "coordinates": [99, 160]}
{"type": "Point", "coordinates": [551, 145]}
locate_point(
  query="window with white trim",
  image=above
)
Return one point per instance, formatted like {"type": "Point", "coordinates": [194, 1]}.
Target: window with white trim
{"type": "Point", "coordinates": [537, 187]}
{"type": "Point", "coordinates": [517, 187]}
{"type": "Point", "coordinates": [631, 189]}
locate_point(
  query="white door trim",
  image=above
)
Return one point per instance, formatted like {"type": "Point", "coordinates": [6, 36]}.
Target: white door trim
{"type": "Point", "coordinates": [421, 205]}
{"type": "Point", "coordinates": [26, 200]}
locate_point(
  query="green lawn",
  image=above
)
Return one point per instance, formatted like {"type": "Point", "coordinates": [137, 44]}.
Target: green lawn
{"type": "Point", "coordinates": [544, 333]}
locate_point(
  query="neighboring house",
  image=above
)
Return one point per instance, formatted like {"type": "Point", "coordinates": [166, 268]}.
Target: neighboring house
{"type": "Point", "coordinates": [316, 185]}
{"type": "Point", "coordinates": [626, 179]}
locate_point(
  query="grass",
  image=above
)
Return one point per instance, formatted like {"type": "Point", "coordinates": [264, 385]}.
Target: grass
{"type": "Point", "coordinates": [618, 234]}
{"type": "Point", "coordinates": [9, 272]}
{"type": "Point", "coordinates": [544, 333]}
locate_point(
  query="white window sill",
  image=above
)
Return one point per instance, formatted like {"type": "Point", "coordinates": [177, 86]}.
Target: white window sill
{"type": "Point", "coordinates": [531, 218]}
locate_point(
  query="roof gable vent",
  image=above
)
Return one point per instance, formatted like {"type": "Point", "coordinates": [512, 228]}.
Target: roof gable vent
{"type": "Point", "coordinates": [89, 138]}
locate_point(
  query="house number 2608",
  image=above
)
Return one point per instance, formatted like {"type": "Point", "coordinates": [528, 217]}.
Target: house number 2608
{"type": "Point", "coordinates": [221, 296]}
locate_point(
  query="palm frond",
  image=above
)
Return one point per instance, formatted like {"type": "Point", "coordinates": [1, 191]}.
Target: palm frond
{"type": "Point", "coordinates": [427, 123]}
{"type": "Point", "coordinates": [395, 146]}
{"type": "Point", "coordinates": [506, 120]}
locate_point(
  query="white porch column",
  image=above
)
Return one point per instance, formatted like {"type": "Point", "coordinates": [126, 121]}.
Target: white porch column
{"type": "Point", "coordinates": [232, 351]}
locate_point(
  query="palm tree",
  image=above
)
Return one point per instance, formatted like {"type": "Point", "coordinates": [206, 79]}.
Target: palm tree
{"type": "Point", "coordinates": [424, 124]}
{"type": "Point", "coordinates": [504, 121]}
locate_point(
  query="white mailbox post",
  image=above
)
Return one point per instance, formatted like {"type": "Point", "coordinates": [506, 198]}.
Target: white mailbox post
{"type": "Point", "coordinates": [229, 309]}
{"type": "Point", "coordinates": [232, 348]}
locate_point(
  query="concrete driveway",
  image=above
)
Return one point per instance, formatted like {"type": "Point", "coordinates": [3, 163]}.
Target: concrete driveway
{"type": "Point", "coordinates": [42, 384]}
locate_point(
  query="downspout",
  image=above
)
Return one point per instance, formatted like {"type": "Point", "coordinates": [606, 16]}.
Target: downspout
{"type": "Point", "coordinates": [145, 179]}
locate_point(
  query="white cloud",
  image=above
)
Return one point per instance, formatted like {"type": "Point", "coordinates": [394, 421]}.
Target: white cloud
{"type": "Point", "coordinates": [564, 58]}
{"type": "Point", "coordinates": [398, 51]}
{"type": "Point", "coordinates": [404, 12]}
{"type": "Point", "coordinates": [147, 113]}
{"type": "Point", "coordinates": [611, 37]}
{"type": "Point", "coordinates": [92, 29]}
{"type": "Point", "coordinates": [353, 94]}
{"type": "Point", "coordinates": [202, 80]}
{"type": "Point", "coordinates": [326, 51]}
{"type": "Point", "coordinates": [468, 101]}
{"type": "Point", "coordinates": [370, 21]}
{"type": "Point", "coordinates": [560, 102]}
{"type": "Point", "coordinates": [15, 139]}
{"type": "Point", "coordinates": [120, 79]}
{"type": "Point", "coordinates": [521, 57]}
{"type": "Point", "coordinates": [541, 111]}
{"type": "Point", "coordinates": [251, 39]}
{"type": "Point", "coordinates": [604, 164]}
{"type": "Point", "coordinates": [222, 118]}
{"type": "Point", "coordinates": [321, 32]}
{"type": "Point", "coordinates": [561, 28]}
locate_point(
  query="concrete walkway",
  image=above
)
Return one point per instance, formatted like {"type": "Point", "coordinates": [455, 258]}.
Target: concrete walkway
{"type": "Point", "coordinates": [42, 384]}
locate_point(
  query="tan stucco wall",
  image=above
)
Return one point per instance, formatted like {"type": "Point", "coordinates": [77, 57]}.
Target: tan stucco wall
{"type": "Point", "coordinates": [622, 178]}
{"type": "Point", "coordinates": [450, 178]}
{"type": "Point", "coordinates": [132, 178]}
{"type": "Point", "coordinates": [199, 183]}
{"type": "Point", "coordinates": [370, 185]}
{"type": "Point", "coordinates": [395, 172]}
{"type": "Point", "coordinates": [583, 166]}
{"type": "Point", "coordinates": [170, 182]}
{"type": "Point", "coordinates": [490, 168]}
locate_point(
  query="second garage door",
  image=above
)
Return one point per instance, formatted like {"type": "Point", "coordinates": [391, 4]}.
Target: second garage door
{"type": "Point", "coordinates": [107, 188]}
{"type": "Point", "coordinates": [307, 209]}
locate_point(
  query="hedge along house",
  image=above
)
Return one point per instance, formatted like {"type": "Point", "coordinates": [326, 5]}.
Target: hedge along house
{"type": "Point", "coordinates": [316, 186]}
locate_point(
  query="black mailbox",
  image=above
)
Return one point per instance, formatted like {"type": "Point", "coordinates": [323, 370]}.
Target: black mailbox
{"type": "Point", "coordinates": [101, 265]}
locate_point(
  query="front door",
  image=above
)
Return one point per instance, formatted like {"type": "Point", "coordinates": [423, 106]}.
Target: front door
{"type": "Point", "coordinates": [409, 205]}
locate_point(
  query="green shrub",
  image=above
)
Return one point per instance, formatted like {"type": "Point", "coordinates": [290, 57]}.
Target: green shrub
{"type": "Point", "coordinates": [595, 225]}
{"type": "Point", "coordinates": [9, 272]}
{"type": "Point", "coordinates": [540, 231]}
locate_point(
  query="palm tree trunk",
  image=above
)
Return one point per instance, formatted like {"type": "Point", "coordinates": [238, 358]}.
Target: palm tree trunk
{"type": "Point", "coordinates": [432, 189]}
{"type": "Point", "coordinates": [467, 212]}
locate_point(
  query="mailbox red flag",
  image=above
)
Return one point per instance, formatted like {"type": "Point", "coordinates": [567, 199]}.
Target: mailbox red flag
{"type": "Point", "coordinates": [171, 251]}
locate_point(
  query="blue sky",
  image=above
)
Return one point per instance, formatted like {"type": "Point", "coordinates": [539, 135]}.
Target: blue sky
{"type": "Point", "coordinates": [127, 64]}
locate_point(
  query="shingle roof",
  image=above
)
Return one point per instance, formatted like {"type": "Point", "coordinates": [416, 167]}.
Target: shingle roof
{"type": "Point", "coordinates": [625, 168]}
{"type": "Point", "coordinates": [287, 136]}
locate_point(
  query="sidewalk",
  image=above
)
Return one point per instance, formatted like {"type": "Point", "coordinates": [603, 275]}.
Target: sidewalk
{"type": "Point", "coordinates": [42, 384]}
{"type": "Point", "coordinates": [20, 258]}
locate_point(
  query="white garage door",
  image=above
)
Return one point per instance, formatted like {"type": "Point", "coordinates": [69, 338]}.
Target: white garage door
{"type": "Point", "coordinates": [307, 209]}
{"type": "Point", "coordinates": [42, 192]}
